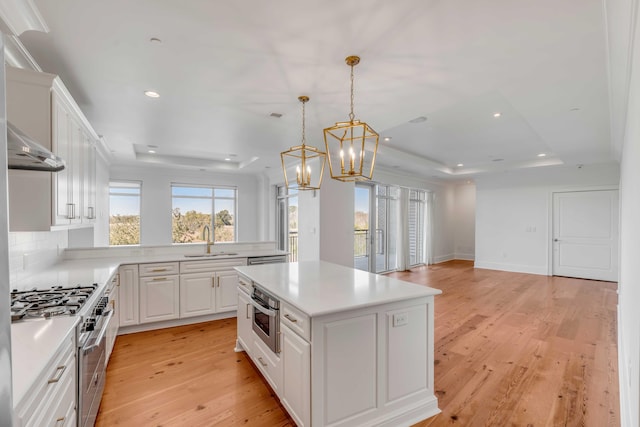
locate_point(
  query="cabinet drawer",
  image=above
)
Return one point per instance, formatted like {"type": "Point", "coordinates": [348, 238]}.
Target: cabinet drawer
{"type": "Point", "coordinates": [296, 320]}
{"type": "Point", "coordinates": [55, 385]}
{"type": "Point", "coordinates": [211, 265]}
{"type": "Point", "coordinates": [61, 406]}
{"type": "Point", "coordinates": [268, 363]}
{"type": "Point", "coordinates": [244, 284]}
{"type": "Point", "coordinates": [159, 269]}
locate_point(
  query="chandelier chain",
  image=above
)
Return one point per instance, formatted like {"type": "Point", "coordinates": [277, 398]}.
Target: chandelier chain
{"type": "Point", "coordinates": [351, 115]}
{"type": "Point", "coordinates": [304, 140]}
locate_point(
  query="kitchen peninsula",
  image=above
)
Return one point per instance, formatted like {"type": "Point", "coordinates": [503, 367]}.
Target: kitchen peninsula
{"type": "Point", "coordinates": [355, 348]}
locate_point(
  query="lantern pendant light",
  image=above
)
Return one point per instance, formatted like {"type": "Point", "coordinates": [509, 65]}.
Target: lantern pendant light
{"type": "Point", "coordinates": [351, 146]}
{"type": "Point", "coordinates": [304, 162]}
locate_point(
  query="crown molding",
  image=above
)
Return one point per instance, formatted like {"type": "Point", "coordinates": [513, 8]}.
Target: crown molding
{"type": "Point", "coordinates": [19, 16]}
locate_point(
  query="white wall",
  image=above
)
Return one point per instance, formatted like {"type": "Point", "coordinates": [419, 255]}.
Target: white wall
{"type": "Point", "coordinates": [513, 213]}
{"type": "Point", "coordinates": [629, 284]}
{"type": "Point", "coordinates": [308, 225]}
{"type": "Point", "coordinates": [465, 221]}
{"type": "Point", "coordinates": [155, 209]}
{"type": "Point", "coordinates": [337, 201]}
{"type": "Point", "coordinates": [30, 252]}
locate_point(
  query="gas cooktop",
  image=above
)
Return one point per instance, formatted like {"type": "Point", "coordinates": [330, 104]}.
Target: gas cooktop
{"type": "Point", "coordinates": [45, 303]}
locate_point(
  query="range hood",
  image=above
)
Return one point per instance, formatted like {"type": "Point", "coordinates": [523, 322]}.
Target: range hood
{"type": "Point", "coordinates": [26, 154]}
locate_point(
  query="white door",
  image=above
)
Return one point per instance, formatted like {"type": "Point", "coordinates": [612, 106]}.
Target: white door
{"type": "Point", "coordinates": [585, 234]}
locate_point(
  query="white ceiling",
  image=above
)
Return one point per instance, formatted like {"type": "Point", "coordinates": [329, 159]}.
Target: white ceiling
{"type": "Point", "coordinates": [222, 68]}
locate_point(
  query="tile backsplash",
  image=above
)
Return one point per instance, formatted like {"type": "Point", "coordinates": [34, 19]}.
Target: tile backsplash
{"type": "Point", "coordinates": [30, 252]}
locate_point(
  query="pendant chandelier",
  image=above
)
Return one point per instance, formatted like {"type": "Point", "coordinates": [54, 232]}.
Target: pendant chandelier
{"type": "Point", "coordinates": [351, 146]}
{"type": "Point", "coordinates": [304, 162]}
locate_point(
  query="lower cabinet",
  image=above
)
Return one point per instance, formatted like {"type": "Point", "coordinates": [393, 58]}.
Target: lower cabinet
{"type": "Point", "coordinates": [197, 294]}
{"type": "Point", "coordinates": [128, 296]}
{"type": "Point", "coordinates": [245, 329]}
{"type": "Point", "coordinates": [226, 291]}
{"type": "Point", "coordinates": [159, 298]}
{"type": "Point", "coordinates": [52, 401]}
{"type": "Point", "coordinates": [296, 363]}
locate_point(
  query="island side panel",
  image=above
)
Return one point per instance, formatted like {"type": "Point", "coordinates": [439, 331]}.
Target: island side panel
{"type": "Point", "coordinates": [366, 371]}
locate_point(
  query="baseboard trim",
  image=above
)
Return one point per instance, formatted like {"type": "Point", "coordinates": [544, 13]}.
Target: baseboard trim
{"type": "Point", "coordinates": [515, 268]}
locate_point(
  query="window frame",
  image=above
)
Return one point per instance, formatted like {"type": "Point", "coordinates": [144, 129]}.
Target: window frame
{"type": "Point", "coordinates": [139, 196]}
{"type": "Point", "coordinates": [213, 198]}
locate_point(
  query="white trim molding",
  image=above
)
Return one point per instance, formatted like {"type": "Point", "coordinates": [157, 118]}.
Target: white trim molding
{"type": "Point", "coordinates": [19, 16]}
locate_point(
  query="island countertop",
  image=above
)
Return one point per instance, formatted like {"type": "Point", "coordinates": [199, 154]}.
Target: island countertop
{"type": "Point", "coordinates": [318, 287]}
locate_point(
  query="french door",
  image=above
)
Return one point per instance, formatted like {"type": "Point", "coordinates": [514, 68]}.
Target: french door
{"type": "Point", "coordinates": [375, 227]}
{"type": "Point", "coordinates": [287, 225]}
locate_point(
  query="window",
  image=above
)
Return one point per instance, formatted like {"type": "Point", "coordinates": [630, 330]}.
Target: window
{"type": "Point", "coordinates": [124, 213]}
{"type": "Point", "coordinates": [197, 207]}
{"type": "Point", "coordinates": [417, 204]}
{"type": "Point", "coordinates": [287, 227]}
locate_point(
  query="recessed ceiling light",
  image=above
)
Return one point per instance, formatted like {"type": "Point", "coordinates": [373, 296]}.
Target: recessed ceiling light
{"type": "Point", "coordinates": [542, 155]}
{"type": "Point", "coordinates": [227, 159]}
{"type": "Point", "coordinates": [151, 151]}
{"type": "Point", "coordinates": [498, 160]}
{"type": "Point", "coordinates": [460, 165]}
{"type": "Point", "coordinates": [387, 138]}
{"type": "Point", "coordinates": [574, 109]}
{"type": "Point", "coordinates": [152, 94]}
{"type": "Point", "coordinates": [418, 119]}
{"type": "Point", "coordinates": [155, 40]}
{"type": "Point", "coordinates": [497, 114]}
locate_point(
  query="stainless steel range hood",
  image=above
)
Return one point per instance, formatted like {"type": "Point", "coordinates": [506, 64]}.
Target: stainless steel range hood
{"type": "Point", "coordinates": [26, 154]}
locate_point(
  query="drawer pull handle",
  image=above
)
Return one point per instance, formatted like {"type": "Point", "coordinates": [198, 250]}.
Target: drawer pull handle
{"type": "Point", "coordinates": [248, 305]}
{"type": "Point", "coordinates": [159, 279]}
{"type": "Point", "coordinates": [157, 270]}
{"type": "Point", "coordinates": [213, 282]}
{"type": "Point", "coordinates": [291, 319]}
{"type": "Point", "coordinates": [57, 375]}
{"type": "Point", "coordinates": [60, 421]}
{"type": "Point", "coordinates": [262, 362]}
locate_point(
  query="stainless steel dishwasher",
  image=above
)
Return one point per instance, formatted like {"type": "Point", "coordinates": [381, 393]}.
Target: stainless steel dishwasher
{"type": "Point", "coordinates": [270, 259]}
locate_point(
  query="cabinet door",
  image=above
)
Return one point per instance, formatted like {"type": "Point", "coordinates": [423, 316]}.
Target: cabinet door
{"type": "Point", "coordinates": [197, 294]}
{"type": "Point", "coordinates": [296, 384]}
{"type": "Point", "coordinates": [61, 139]}
{"type": "Point", "coordinates": [245, 314]}
{"type": "Point", "coordinates": [159, 298]}
{"type": "Point", "coordinates": [75, 183]}
{"type": "Point", "coordinates": [128, 295]}
{"type": "Point", "coordinates": [226, 291]}
{"type": "Point", "coordinates": [88, 179]}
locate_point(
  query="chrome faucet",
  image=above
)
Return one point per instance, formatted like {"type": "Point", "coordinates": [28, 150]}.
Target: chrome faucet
{"type": "Point", "coordinates": [207, 231]}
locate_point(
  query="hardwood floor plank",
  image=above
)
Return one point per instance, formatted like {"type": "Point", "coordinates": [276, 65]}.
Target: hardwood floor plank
{"type": "Point", "coordinates": [511, 349]}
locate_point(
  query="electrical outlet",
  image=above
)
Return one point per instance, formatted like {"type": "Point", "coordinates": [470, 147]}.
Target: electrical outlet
{"type": "Point", "coordinates": [400, 319]}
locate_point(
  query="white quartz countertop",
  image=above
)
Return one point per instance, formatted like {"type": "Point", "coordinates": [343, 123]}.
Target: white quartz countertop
{"type": "Point", "coordinates": [71, 273]}
{"type": "Point", "coordinates": [33, 344]}
{"type": "Point", "coordinates": [319, 288]}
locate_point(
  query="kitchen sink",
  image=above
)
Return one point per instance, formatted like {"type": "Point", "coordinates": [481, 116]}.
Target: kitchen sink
{"type": "Point", "coordinates": [211, 255]}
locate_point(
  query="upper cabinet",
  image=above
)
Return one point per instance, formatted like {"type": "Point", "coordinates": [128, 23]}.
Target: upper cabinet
{"type": "Point", "coordinates": [40, 106]}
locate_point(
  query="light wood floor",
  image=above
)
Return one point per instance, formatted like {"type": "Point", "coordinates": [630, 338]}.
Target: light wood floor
{"type": "Point", "coordinates": [510, 350]}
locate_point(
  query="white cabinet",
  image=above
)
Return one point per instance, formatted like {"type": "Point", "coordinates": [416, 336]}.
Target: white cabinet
{"type": "Point", "coordinates": [245, 328]}
{"type": "Point", "coordinates": [296, 363]}
{"type": "Point", "coordinates": [208, 287]}
{"type": "Point", "coordinates": [159, 292]}
{"type": "Point", "coordinates": [226, 290]}
{"type": "Point", "coordinates": [40, 106]}
{"type": "Point", "coordinates": [52, 400]}
{"type": "Point", "coordinates": [114, 322]}
{"type": "Point", "coordinates": [268, 363]}
{"type": "Point", "coordinates": [128, 293]}
{"type": "Point", "coordinates": [197, 294]}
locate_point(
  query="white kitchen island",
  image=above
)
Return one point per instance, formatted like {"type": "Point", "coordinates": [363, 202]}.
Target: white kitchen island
{"type": "Point", "coordinates": [356, 348]}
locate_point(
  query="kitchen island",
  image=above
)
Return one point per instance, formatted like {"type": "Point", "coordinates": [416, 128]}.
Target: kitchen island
{"type": "Point", "coordinates": [354, 348]}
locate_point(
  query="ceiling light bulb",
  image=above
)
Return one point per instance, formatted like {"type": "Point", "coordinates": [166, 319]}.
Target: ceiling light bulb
{"type": "Point", "coordinates": [151, 151]}
{"type": "Point", "coordinates": [387, 138]}
{"type": "Point", "coordinates": [542, 155]}
{"type": "Point", "coordinates": [460, 165]}
{"type": "Point", "coordinates": [227, 159]}
{"type": "Point", "coordinates": [152, 94]}
{"type": "Point", "coordinates": [496, 115]}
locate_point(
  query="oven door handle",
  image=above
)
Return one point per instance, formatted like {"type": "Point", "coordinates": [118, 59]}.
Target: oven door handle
{"type": "Point", "coordinates": [103, 331]}
{"type": "Point", "coordinates": [262, 309]}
